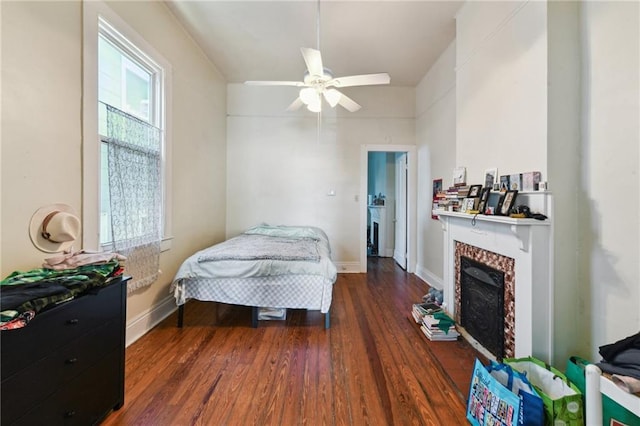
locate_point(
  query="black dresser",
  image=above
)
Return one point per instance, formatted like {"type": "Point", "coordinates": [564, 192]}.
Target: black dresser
{"type": "Point", "coordinates": [67, 365]}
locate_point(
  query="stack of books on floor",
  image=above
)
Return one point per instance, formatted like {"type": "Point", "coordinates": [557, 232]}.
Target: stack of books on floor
{"type": "Point", "coordinates": [419, 310]}
{"type": "Point", "coordinates": [439, 327]}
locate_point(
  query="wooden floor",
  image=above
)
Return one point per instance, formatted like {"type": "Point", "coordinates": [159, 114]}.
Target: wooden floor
{"type": "Point", "coordinates": [373, 366]}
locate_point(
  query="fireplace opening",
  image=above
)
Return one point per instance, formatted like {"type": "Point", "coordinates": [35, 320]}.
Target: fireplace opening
{"type": "Point", "coordinates": [482, 304]}
{"type": "Point", "coordinates": [375, 249]}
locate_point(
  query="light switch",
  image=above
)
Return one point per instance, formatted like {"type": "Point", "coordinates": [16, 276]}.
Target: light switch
{"type": "Point", "coordinates": [331, 193]}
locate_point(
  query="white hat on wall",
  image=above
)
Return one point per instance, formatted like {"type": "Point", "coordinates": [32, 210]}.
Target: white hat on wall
{"type": "Point", "coordinates": [54, 228]}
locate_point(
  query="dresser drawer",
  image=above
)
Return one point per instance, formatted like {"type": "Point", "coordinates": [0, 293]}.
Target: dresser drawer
{"type": "Point", "coordinates": [33, 384]}
{"type": "Point", "coordinates": [83, 401]}
{"type": "Point", "coordinates": [58, 326]}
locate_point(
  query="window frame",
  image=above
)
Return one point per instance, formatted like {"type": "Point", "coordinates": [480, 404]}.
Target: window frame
{"type": "Point", "coordinates": [100, 19]}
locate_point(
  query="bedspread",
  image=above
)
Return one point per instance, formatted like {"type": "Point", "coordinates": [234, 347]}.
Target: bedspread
{"type": "Point", "coordinates": [251, 275]}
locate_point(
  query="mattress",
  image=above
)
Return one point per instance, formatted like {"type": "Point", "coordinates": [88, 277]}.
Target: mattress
{"type": "Point", "coordinates": [266, 266]}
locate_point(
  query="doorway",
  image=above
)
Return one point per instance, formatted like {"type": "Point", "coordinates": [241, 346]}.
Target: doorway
{"type": "Point", "coordinates": [402, 209]}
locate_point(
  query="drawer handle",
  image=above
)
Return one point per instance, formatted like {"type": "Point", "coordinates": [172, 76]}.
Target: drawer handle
{"type": "Point", "coordinates": [71, 361]}
{"type": "Point", "coordinates": [73, 321]}
{"type": "Point", "coordinates": [69, 414]}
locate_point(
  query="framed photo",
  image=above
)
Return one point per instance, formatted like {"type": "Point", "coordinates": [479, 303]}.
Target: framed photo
{"type": "Point", "coordinates": [490, 177]}
{"type": "Point", "coordinates": [437, 189]}
{"type": "Point", "coordinates": [515, 181]}
{"type": "Point", "coordinates": [469, 204]}
{"type": "Point", "coordinates": [484, 199]}
{"type": "Point", "coordinates": [504, 183]}
{"type": "Point", "coordinates": [474, 190]}
{"type": "Point", "coordinates": [498, 208]}
{"type": "Point", "coordinates": [508, 202]}
{"type": "Point", "coordinates": [459, 176]}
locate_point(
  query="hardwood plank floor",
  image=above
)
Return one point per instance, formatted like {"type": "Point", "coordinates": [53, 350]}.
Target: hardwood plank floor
{"type": "Point", "coordinates": [373, 366]}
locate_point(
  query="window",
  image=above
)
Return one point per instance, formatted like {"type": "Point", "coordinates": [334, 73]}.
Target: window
{"type": "Point", "coordinates": [130, 131]}
{"type": "Point", "coordinates": [126, 144]}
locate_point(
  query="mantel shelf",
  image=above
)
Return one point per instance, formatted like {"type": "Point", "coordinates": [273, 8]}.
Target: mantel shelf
{"type": "Point", "coordinates": [496, 219]}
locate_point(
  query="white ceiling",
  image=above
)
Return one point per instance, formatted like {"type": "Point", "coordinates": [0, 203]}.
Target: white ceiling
{"type": "Point", "coordinates": [261, 40]}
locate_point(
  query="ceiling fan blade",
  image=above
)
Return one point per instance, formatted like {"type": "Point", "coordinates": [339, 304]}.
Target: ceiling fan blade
{"type": "Point", "coordinates": [360, 80]}
{"type": "Point", "coordinates": [313, 59]}
{"type": "Point", "coordinates": [348, 103]}
{"type": "Point", "coordinates": [295, 105]}
{"type": "Point", "coordinates": [275, 83]}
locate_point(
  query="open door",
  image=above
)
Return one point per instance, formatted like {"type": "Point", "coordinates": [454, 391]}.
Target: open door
{"type": "Point", "coordinates": [400, 220]}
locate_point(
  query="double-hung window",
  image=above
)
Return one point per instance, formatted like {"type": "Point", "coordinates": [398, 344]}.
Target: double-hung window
{"type": "Point", "coordinates": [125, 95]}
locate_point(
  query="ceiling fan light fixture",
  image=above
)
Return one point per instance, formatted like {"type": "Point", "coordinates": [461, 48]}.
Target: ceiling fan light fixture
{"type": "Point", "coordinates": [316, 105]}
{"type": "Point", "coordinates": [309, 95]}
{"type": "Point", "coordinates": [332, 96]}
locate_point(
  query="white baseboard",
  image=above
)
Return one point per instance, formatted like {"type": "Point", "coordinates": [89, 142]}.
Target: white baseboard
{"type": "Point", "coordinates": [347, 267]}
{"type": "Point", "coordinates": [429, 277]}
{"type": "Point", "coordinates": [139, 326]}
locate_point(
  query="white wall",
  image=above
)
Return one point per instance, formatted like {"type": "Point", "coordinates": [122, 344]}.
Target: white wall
{"type": "Point", "coordinates": [436, 142]}
{"type": "Point", "coordinates": [610, 233]}
{"type": "Point", "coordinates": [280, 171]}
{"type": "Point", "coordinates": [501, 87]}
{"type": "Point", "coordinates": [41, 133]}
{"type": "Point", "coordinates": [563, 166]}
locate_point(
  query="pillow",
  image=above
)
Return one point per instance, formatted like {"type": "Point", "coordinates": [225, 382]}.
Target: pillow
{"type": "Point", "coordinates": [286, 231]}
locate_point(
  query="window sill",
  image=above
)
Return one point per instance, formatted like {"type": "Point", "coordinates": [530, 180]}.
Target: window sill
{"type": "Point", "coordinates": [166, 244]}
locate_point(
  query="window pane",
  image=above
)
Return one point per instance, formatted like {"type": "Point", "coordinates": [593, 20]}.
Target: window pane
{"type": "Point", "coordinates": [137, 90]}
{"type": "Point", "coordinates": [105, 211]}
{"type": "Point", "coordinates": [123, 83]}
{"type": "Point", "coordinates": [127, 85]}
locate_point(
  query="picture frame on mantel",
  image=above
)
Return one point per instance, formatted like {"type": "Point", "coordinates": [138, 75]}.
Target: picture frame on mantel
{"type": "Point", "coordinates": [508, 202]}
{"type": "Point", "coordinates": [490, 177]}
{"type": "Point", "coordinates": [437, 188]}
{"type": "Point", "coordinates": [484, 199]}
{"type": "Point", "coordinates": [474, 190]}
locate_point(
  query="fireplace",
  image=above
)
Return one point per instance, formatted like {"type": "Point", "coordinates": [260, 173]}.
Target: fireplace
{"type": "Point", "coordinates": [521, 249]}
{"type": "Point", "coordinates": [378, 231]}
{"type": "Point", "coordinates": [482, 304]}
{"type": "Point", "coordinates": [499, 268]}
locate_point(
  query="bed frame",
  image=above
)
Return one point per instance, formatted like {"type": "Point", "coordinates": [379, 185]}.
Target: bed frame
{"type": "Point", "coordinates": [254, 317]}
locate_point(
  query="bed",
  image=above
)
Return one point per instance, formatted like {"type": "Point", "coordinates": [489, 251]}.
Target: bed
{"type": "Point", "coordinates": [264, 267]}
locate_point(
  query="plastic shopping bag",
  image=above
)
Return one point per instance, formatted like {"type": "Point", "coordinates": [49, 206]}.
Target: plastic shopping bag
{"type": "Point", "coordinates": [500, 396]}
{"type": "Point", "coordinates": [563, 401]}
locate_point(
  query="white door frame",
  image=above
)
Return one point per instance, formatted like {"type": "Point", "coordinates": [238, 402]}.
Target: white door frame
{"type": "Point", "coordinates": [411, 200]}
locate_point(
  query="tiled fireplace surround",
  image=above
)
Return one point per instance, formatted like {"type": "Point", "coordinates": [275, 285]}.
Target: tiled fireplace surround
{"type": "Point", "coordinates": [522, 249]}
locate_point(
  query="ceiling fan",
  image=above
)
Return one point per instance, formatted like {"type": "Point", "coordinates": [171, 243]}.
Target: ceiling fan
{"type": "Point", "coordinates": [319, 82]}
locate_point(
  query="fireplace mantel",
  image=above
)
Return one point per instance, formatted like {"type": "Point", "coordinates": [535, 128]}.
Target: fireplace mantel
{"type": "Point", "coordinates": [529, 242]}
{"type": "Point", "coordinates": [519, 227]}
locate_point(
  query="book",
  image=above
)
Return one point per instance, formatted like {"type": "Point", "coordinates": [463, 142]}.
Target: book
{"type": "Point", "coordinates": [428, 307]}
{"type": "Point", "coordinates": [437, 337]}
{"type": "Point", "coordinates": [419, 310]}
{"type": "Point", "coordinates": [434, 329]}
{"type": "Point", "coordinates": [434, 325]}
